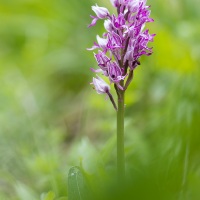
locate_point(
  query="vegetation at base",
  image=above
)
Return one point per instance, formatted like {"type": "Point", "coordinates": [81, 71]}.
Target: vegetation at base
{"type": "Point", "coordinates": [51, 119]}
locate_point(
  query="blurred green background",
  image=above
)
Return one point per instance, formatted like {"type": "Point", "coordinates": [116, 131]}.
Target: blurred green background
{"type": "Point", "coordinates": [51, 118]}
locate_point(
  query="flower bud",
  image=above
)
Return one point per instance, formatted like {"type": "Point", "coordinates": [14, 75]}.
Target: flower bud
{"type": "Point", "coordinates": [119, 21]}
{"type": "Point", "coordinates": [115, 3]}
{"type": "Point", "coordinates": [114, 41]}
{"type": "Point", "coordinates": [102, 60]}
{"type": "Point", "coordinates": [115, 73]}
{"type": "Point", "coordinates": [108, 25]}
{"type": "Point", "coordinates": [102, 42]}
{"type": "Point", "coordinates": [101, 12]}
{"type": "Point", "coordinates": [101, 86]}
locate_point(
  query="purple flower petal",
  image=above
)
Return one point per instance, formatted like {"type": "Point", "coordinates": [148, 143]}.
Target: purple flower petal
{"type": "Point", "coordinates": [94, 21]}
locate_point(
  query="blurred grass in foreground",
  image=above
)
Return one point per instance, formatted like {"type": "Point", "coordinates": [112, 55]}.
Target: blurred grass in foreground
{"type": "Point", "coordinates": [51, 119]}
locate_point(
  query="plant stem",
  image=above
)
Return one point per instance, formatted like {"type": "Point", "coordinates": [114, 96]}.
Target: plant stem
{"type": "Point", "coordinates": [120, 136]}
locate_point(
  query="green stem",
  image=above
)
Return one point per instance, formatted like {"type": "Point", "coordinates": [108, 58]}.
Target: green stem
{"type": "Point", "coordinates": [120, 136]}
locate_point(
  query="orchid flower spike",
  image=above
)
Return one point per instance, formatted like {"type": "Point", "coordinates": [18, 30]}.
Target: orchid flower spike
{"type": "Point", "coordinates": [122, 44]}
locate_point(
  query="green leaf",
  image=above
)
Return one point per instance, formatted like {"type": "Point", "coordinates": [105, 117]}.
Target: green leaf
{"type": "Point", "coordinates": [77, 188]}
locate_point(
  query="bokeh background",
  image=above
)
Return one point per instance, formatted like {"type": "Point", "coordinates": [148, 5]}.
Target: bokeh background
{"type": "Point", "coordinates": [52, 119]}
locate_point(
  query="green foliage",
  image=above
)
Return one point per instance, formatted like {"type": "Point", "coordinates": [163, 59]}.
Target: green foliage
{"type": "Point", "coordinates": [51, 119]}
{"type": "Point", "coordinates": [48, 196]}
{"type": "Point", "coordinates": [77, 187]}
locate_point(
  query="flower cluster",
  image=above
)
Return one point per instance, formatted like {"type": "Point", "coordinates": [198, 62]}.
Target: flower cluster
{"type": "Point", "coordinates": [123, 43]}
